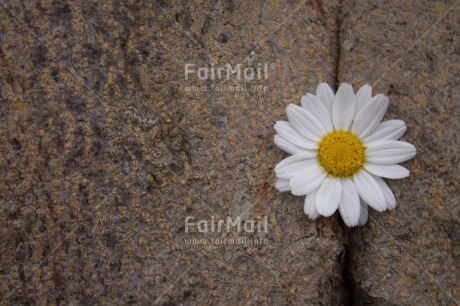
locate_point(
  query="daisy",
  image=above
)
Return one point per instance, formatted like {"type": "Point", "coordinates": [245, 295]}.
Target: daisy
{"type": "Point", "coordinates": [340, 152]}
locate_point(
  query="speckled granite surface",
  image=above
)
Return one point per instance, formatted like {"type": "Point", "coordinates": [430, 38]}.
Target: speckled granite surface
{"type": "Point", "coordinates": [410, 256]}
{"type": "Point", "coordinates": [105, 153]}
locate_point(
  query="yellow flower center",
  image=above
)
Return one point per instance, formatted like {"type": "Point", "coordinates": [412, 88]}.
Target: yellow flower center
{"type": "Point", "coordinates": [341, 153]}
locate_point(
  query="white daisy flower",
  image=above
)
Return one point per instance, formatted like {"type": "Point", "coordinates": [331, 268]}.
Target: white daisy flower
{"type": "Point", "coordinates": [340, 152]}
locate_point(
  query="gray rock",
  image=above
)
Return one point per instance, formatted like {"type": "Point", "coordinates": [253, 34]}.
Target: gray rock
{"type": "Point", "coordinates": [105, 153]}
{"type": "Point", "coordinates": [409, 51]}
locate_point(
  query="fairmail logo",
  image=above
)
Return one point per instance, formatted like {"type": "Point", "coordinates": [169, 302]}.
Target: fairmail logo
{"type": "Point", "coordinates": [215, 225]}
{"type": "Point", "coordinates": [252, 70]}
{"type": "Point", "coordinates": [227, 72]}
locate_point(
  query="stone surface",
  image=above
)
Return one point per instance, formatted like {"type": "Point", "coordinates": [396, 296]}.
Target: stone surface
{"type": "Point", "coordinates": [410, 256]}
{"type": "Point", "coordinates": [105, 152]}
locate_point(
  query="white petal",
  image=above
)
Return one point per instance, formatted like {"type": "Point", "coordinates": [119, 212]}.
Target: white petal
{"type": "Point", "coordinates": [328, 197]}
{"type": "Point", "coordinates": [343, 107]}
{"type": "Point", "coordinates": [364, 214]}
{"type": "Point", "coordinates": [285, 130]}
{"type": "Point", "coordinates": [370, 191]}
{"type": "Point", "coordinates": [326, 95]}
{"type": "Point", "coordinates": [389, 196]}
{"type": "Point", "coordinates": [287, 146]}
{"type": "Point", "coordinates": [295, 163]}
{"type": "Point", "coordinates": [306, 180]}
{"type": "Point", "coordinates": [388, 171]}
{"type": "Point", "coordinates": [305, 123]}
{"type": "Point", "coordinates": [363, 96]}
{"type": "Point", "coordinates": [370, 115]}
{"type": "Point", "coordinates": [282, 185]}
{"type": "Point", "coordinates": [389, 152]}
{"type": "Point", "coordinates": [309, 207]}
{"type": "Point", "coordinates": [387, 130]}
{"type": "Point", "coordinates": [314, 105]}
{"type": "Point", "coordinates": [349, 206]}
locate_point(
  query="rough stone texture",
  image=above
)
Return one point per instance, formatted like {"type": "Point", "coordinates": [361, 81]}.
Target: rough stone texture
{"type": "Point", "coordinates": [104, 153]}
{"type": "Point", "coordinates": [409, 50]}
